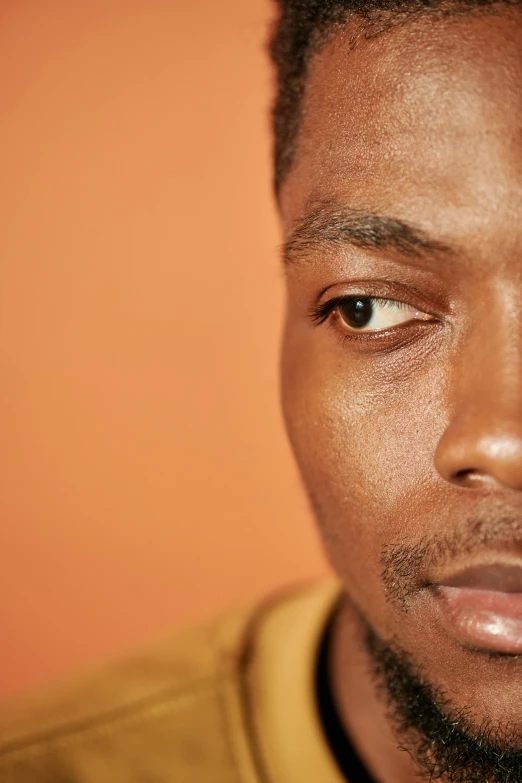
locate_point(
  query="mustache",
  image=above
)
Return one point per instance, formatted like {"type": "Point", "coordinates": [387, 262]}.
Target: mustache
{"type": "Point", "coordinates": [405, 565]}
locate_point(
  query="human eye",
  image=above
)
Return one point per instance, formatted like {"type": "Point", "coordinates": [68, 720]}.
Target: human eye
{"type": "Point", "coordinates": [360, 314]}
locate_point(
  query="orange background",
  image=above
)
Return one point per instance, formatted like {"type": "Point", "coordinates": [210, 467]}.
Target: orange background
{"type": "Point", "coordinates": [145, 478]}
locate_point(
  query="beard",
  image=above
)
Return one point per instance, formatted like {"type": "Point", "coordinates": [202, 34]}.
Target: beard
{"type": "Point", "coordinates": [442, 739]}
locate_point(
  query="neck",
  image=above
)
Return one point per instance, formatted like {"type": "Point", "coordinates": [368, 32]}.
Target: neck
{"type": "Point", "coordinates": [362, 711]}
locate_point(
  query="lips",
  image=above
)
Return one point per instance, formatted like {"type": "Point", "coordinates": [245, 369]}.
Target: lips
{"type": "Point", "coordinates": [482, 607]}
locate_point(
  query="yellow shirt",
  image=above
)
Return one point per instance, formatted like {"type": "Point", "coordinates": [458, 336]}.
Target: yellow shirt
{"type": "Point", "coordinates": [233, 702]}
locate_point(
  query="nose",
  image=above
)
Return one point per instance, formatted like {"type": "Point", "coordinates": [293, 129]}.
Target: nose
{"type": "Point", "coordinates": [482, 444]}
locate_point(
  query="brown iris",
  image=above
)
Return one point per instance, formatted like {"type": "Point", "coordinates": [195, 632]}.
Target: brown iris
{"type": "Point", "coordinates": [356, 313]}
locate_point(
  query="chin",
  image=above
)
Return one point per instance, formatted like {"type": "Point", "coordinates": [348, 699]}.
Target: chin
{"type": "Point", "coordinates": [477, 681]}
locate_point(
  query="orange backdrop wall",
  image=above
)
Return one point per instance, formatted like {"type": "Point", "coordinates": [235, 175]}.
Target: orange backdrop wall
{"type": "Point", "coordinates": [145, 478]}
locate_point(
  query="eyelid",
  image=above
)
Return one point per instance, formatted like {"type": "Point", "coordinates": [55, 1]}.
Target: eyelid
{"type": "Point", "coordinates": [424, 299]}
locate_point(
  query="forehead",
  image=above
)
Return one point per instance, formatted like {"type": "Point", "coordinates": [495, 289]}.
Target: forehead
{"type": "Point", "coordinates": [430, 111]}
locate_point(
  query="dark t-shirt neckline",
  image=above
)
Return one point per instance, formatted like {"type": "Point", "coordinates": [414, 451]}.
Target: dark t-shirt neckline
{"type": "Point", "coordinates": [340, 745]}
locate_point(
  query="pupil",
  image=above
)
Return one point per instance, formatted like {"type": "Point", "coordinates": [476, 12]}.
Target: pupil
{"type": "Point", "coordinates": [356, 312]}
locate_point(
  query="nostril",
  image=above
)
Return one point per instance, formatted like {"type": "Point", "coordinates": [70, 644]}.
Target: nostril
{"type": "Point", "coordinates": [465, 472]}
{"type": "Point", "coordinates": [468, 476]}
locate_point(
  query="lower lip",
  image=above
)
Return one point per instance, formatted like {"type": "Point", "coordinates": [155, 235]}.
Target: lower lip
{"type": "Point", "coordinates": [484, 619]}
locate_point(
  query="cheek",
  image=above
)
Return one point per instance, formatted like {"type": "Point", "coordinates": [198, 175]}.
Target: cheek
{"type": "Point", "coordinates": [364, 449]}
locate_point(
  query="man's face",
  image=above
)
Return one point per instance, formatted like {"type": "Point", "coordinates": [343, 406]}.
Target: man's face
{"type": "Point", "coordinates": [406, 419]}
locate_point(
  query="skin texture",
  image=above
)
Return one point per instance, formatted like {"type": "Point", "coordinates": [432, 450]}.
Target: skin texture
{"type": "Point", "coordinates": [417, 435]}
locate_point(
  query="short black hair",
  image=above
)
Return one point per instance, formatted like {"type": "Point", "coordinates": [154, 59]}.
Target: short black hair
{"type": "Point", "coordinates": [303, 26]}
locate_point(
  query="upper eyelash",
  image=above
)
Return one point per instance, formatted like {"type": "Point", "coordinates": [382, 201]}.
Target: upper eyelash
{"type": "Point", "coordinates": [320, 313]}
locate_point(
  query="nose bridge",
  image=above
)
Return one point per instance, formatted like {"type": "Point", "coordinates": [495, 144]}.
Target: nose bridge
{"type": "Point", "coordinates": [491, 371]}
{"type": "Point", "coordinates": [482, 443]}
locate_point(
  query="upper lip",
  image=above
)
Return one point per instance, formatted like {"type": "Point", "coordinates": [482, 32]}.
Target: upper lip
{"type": "Point", "coordinates": [498, 577]}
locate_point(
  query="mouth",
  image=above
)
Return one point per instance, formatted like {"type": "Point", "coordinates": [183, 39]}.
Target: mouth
{"type": "Point", "coordinates": [481, 607]}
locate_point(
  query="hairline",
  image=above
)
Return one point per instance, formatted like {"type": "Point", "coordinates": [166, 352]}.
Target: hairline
{"type": "Point", "coordinates": [367, 27]}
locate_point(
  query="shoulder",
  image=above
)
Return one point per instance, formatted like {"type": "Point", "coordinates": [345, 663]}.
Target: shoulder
{"type": "Point", "coordinates": [132, 719]}
{"type": "Point", "coordinates": [176, 712]}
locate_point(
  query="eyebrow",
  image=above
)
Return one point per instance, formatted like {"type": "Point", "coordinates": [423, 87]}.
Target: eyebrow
{"type": "Point", "coordinates": [332, 224]}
